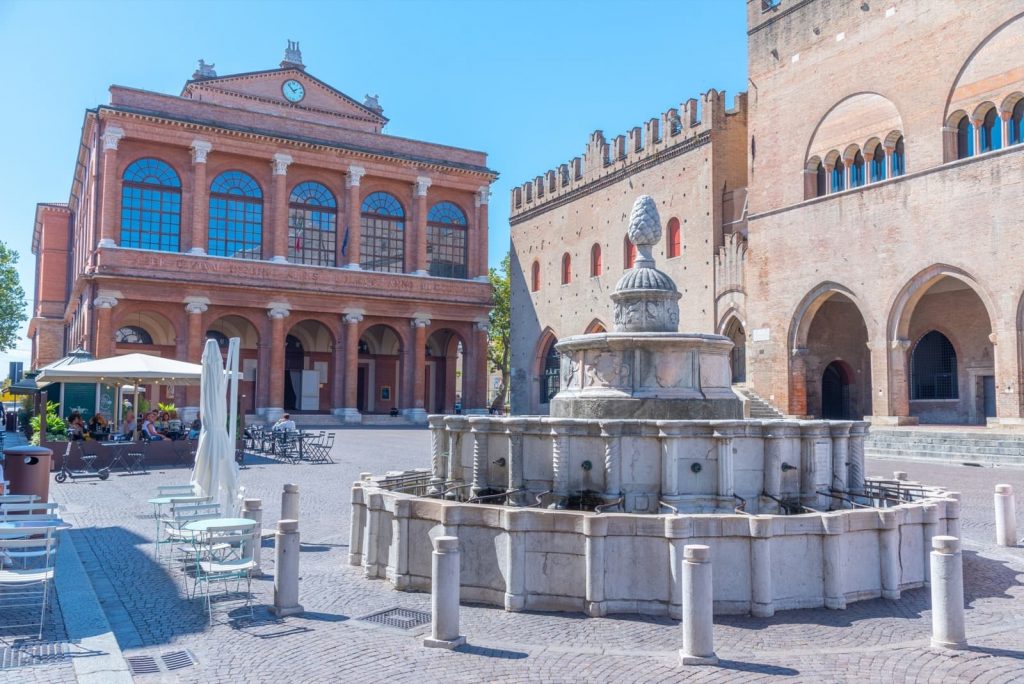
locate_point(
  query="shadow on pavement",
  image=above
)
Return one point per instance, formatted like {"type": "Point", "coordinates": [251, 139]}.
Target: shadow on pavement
{"type": "Point", "coordinates": [469, 649]}
{"type": "Point", "coordinates": [758, 668]}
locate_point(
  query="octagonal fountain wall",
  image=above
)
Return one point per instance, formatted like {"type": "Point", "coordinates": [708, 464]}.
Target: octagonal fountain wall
{"type": "Point", "coordinates": [589, 509]}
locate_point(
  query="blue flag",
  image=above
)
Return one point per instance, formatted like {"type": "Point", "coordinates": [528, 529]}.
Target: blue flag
{"type": "Point", "coordinates": [344, 242]}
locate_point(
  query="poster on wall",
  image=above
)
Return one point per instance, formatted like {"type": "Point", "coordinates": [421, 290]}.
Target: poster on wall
{"type": "Point", "coordinates": [385, 393]}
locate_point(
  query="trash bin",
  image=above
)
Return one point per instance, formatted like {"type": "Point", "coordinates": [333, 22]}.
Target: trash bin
{"type": "Point", "coordinates": [12, 421]}
{"type": "Point", "coordinates": [28, 470]}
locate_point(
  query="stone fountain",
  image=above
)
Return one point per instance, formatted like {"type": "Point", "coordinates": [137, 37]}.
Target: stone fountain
{"type": "Point", "coordinates": [646, 451]}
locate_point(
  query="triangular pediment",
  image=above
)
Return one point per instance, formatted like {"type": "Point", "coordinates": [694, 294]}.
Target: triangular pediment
{"type": "Point", "coordinates": [264, 91]}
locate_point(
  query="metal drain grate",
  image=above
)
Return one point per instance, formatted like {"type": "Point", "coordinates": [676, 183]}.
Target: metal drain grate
{"type": "Point", "coordinates": [12, 657]}
{"type": "Point", "coordinates": [399, 618]}
{"type": "Point", "coordinates": [167, 662]}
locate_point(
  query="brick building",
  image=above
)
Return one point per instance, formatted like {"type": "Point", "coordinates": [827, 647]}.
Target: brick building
{"type": "Point", "coordinates": [270, 206]}
{"type": "Point", "coordinates": [873, 271]}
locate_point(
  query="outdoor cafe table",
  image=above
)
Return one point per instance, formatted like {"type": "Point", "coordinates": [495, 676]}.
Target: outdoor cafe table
{"type": "Point", "coordinates": [10, 529]}
{"type": "Point", "coordinates": [205, 525]}
{"type": "Point", "coordinates": [161, 501]}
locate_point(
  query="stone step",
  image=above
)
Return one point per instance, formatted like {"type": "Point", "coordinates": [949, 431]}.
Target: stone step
{"type": "Point", "coordinates": [373, 419]}
{"type": "Point", "coordinates": [1017, 459]}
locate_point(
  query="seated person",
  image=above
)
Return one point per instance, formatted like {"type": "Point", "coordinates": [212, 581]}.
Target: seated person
{"type": "Point", "coordinates": [174, 427]}
{"type": "Point", "coordinates": [394, 411]}
{"type": "Point", "coordinates": [163, 418]}
{"type": "Point", "coordinates": [129, 425]}
{"type": "Point", "coordinates": [98, 425]}
{"type": "Point", "coordinates": [149, 429]}
{"type": "Point", "coordinates": [284, 424]}
{"type": "Point", "coordinates": [76, 426]}
{"type": "Point", "coordinates": [197, 425]}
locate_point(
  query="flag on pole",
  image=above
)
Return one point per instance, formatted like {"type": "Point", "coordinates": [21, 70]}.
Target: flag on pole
{"type": "Point", "coordinates": [344, 242]}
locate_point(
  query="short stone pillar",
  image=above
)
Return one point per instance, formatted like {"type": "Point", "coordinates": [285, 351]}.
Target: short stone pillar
{"type": "Point", "coordinates": [286, 569]}
{"type": "Point", "coordinates": [252, 509]}
{"type": "Point", "coordinates": [698, 607]}
{"type": "Point", "coordinates": [953, 514]}
{"type": "Point", "coordinates": [290, 502]}
{"type": "Point", "coordinates": [444, 595]}
{"type": "Point", "coordinates": [947, 571]}
{"type": "Point", "coordinates": [1006, 516]}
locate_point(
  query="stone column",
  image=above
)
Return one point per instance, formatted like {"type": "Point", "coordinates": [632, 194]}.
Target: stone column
{"type": "Point", "coordinates": [479, 427]}
{"type": "Point", "coordinates": [418, 263]}
{"type": "Point", "coordinates": [889, 552]}
{"type": "Point", "coordinates": [678, 528]}
{"type": "Point", "coordinates": [798, 381]}
{"type": "Point", "coordinates": [833, 560]}
{"type": "Point", "coordinates": [761, 591]}
{"type": "Point", "coordinates": [371, 544]}
{"type": "Point", "coordinates": [253, 510]}
{"type": "Point", "coordinates": [478, 268]}
{"type": "Point", "coordinates": [276, 372]}
{"type": "Point", "coordinates": [808, 466]}
{"type": "Point", "coordinates": [419, 324]}
{"type": "Point", "coordinates": [194, 309]}
{"type": "Point", "coordinates": [559, 464]}
{"type": "Point", "coordinates": [879, 351]}
{"type": "Point", "coordinates": [290, 502]}
{"type": "Point", "coordinates": [104, 304]}
{"type": "Point", "coordinates": [478, 372]}
{"type": "Point", "coordinates": [611, 432]}
{"type": "Point", "coordinates": [110, 223]}
{"type": "Point", "coordinates": [595, 528]}
{"type": "Point", "coordinates": [855, 457]}
{"type": "Point", "coordinates": [279, 223]}
{"type": "Point", "coordinates": [515, 579]}
{"type": "Point", "coordinates": [899, 378]}
{"type": "Point", "coordinates": [840, 458]}
{"type": "Point", "coordinates": [457, 427]}
{"type": "Point", "coordinates": [437, 444]}
{"type": "Point", "coordinates": [723, 445]}
{"type": "Point", "coordinates": [929, 528]}
{"type": "Point", "coordinates": [953, 514]}
{"type": "Point", "coordinates": [358, 526]}
{"type": "Point", "coordinates": [337, 375]}
{"type": "Point", "coordinates": [516, 471]}
{"type": "Point", "coordinates": [947, 571]}
{"type": "Point", "coordinates": [286, 570]}
{"type": "Point", "coordinates": [977, 123]}
{"type": "Point", "coordinates": [1006, 516]}
{"type": "Point", "coordinates": [444, 595]}
{"type": "Point", "coordinates": [698, 607]}
{"type": "Point", "coordinates": [200, 197]}
{"type": "Point", "coordinates": [350, 413]}
{"type": "Point", "coordinates": [398, 555]}
{"type": "Point", "coordinates": [773, 435]}
{"type": "Point", "coordinates": [353, 204]}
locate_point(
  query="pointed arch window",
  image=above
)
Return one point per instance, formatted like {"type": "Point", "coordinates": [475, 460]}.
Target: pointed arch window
{"type": "Point", "coordinates": [991, 131]}
{"type": "Point", "coordinates": [857, 170]}
{"type": "Point", "coordinates": [629, 253]}
{"type": "Point", "coordinates": [964, 138]}
{"type": "Point", "coordinates": [312, 225]}
{"type": "Point", "coordinates": [674, 245]}
{"type": "Point", "coordinates": [566, 269]}
{"type": "Point", "coordinates": [236, 216]}
{"type": "Point", "coordinates": [132, 334]}
{"type": "Point", "coordinates": [933, 368]}
{"type": "Point", "coordinates": [535, 277]}
{"type": "Point", "coordinates": [898, 161]}
{"type": "Point", "coordinates": [151, 206]}
{"type": "Point", "coordinates": [838, 177]}
{"type": "Point", "coordinates": [446, 241]}
{"type": "Point", "coordinates": [596, 266]}
{"type": "Point", "coordinates": [820, 181]}
{"type": "Point", "coordinates": [551, 372]}
{"type": "Point", "coordinates": [878, 164]}
{"type": "Point", "coordinates": [382, 231]}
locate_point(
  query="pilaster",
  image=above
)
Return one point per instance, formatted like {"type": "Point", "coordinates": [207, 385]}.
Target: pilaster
{"type": "Point", "coordinates": [279, 229]}
{"type": "Point", "coordinates": [109, 226]}
{"type": "Point", "coordinates": [418, 264]}
{"type": "Point", "coordinates": [353, 229]}
{"type": "Point", "coordinates": [200, 197]}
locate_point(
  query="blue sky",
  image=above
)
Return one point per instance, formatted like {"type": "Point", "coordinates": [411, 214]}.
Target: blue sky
{"type": "Point", "coordinates": [524, 81]}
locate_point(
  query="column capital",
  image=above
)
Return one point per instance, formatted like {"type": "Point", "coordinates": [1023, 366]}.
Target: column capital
{"type": "Point", "coordinates": [278, 310]}
{"type": "Point", "coordinates": [200, 148]}
{"type": "Point", "coordinates": [482, 326]}
{"type": "Point", "coordinates": [280, 163]}
{"type": "Point", "coordinates": [422, 183]}
{"type": "Point", "coordinates": [483, 194]}
{"type": "Point", "coordinates": [105, 301]}
{"type": "Point", "coordinates": [195, 307]}
{"type": "Point", "coordinates": [355, 174]}
{"type": "Point", "coordinates": [901, 343]}
{"type": "Point", "coordinates": [353, 318]}
{"type": "Point", "coordinates": [419, 321]}
{"type": "Point", "coordinates": [799, 352]}
{"type": "Point", "coordinates": [111, 137]}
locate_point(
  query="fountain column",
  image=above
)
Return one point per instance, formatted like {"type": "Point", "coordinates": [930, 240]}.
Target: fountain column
{"type": "Point", "coordinates": [678, 529]}
{"type": "Point", "coordinates": [358, 526]}
{"type": "Point", "coordinates": [437, 464]}
{"type": "Point", "coordinates": [457, 427]}
{"type": "Point", "coordinates": [773, 435]}
{"type": "Point", "coordinates": [480, 428]}
{"type": "Point", "coordinates": [559, 462]}
{"type": "Point", "coordinates": [516, 522]}
{"type": "Point", "coordinates": [611, 432]}
{"type": "Point", "coordinates": [397, 570]}
{"type": "Point", "coordinates": [833, 561]}
{"type": "Point", "coordinates": [516, 472]}
{"type": "Point", "coordinates": [813, 470]}
{"type": "Point", "coordinates": [761, 601]}
{"type": "Point", "coordinates": [840, 457]}
{"type": "Point", "coordinates": [726, 485]}
{"type": "Point", "coordinates": [595, 528]}
{"type": "Point", "coordinates": [855, 471]}
{"type": "Point", "coordinates": [889, 552]}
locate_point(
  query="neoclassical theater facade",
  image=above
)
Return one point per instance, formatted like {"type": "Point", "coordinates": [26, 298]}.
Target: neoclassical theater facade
{"type": "Point", "coordinates": [269, 206]}
{"type": "Point", "coordinates": [869, 266]}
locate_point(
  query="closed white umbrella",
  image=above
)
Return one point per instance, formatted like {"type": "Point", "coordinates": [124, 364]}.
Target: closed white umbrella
{"type": "Point", "coordinates": [215, 473]}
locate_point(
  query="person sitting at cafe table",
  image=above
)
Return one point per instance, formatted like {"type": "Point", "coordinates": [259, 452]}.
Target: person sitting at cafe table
{"type": "Point", "coordinates": [284, 424]}
{"type": "Point", "coordinates": [197, 425]}
{"type": "Point", "coordinates": [76, 426]}
{"type": "Point", "coordinates": [149, 428]}
{"type": "Point", "coordinates": [98, 425]}
{"type": "Point", "coordinates": [129, 425]}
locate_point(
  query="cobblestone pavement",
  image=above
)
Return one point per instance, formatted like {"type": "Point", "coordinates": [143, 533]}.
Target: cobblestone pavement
{"type": "Point", "coordinates": [146, 606]}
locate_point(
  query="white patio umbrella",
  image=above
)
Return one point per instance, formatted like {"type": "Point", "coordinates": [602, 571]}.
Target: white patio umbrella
{"type": "Point", "coordinates": [215, 473]}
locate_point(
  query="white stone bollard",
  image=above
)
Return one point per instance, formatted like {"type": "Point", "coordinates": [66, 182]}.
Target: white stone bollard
{"type": "Point", "coordinates": [444, 595]}
{"type": "Point", "coordinates": [1006, 516]}
{"type": "Point", "coordinates": [698, 607]}
{"type": "Point", "coordinates": [947, 570]}
{"type": "Point", "coordinates": [290, 502]}
{"type": "Point", "coordinates": [253, 510]}
{"type": "Point", "coordinates": [286, 569]}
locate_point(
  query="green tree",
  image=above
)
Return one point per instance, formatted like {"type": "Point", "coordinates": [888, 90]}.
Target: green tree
{"type": "Point", "coordinates": [501, 328]}
{"type": "Point", "coordinates": [12, 299]}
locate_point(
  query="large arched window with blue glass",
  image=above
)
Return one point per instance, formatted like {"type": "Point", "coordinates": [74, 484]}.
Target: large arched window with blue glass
{"type": "Point", "coordinates": [878, 163]}
{"type": "Point", "coordinates": [991, 131]}
{"type": "Point", "coordinates": [898, 159]}
{"type": "Point", "coordinates": [312, 225]}
{"type": "Point", "coordinates": [382, 233]}
{"type": "Point", "coordinates": [964, 138]}
{"type": "Point", "coordinates": [151, 206]}
{"type": "Point", "coordinates": [446, 241]}
{"type": "Point", "coordinates": [236, 216]}
{"type": "Point", "coordinates": [857, 177]}
{"type": "Point", "coordinates": [838, 176]}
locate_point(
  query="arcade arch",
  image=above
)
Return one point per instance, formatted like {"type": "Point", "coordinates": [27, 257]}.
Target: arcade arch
{"type": "Point", "coordinates": [223, 329]}
{"type": "Point", "coordinates": [308, 367]}
{"type": "Point", "coordinates": [380, 369]}
{"type": "Point", "coordinates": [444, 371]}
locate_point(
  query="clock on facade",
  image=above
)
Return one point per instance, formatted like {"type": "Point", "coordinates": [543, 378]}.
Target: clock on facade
{"type": "Point", "coordinates": [293, 90]}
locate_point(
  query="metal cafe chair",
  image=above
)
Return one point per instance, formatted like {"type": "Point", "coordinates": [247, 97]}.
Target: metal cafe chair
{"type": "Point", "coordinates": [225, 554]}
{"type": "Point", "coordinates": [22, 589]}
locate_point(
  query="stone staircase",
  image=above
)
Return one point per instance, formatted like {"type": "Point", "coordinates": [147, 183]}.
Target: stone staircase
{"type": "Point", "coordinates": [759, 408]}
{"type": "Point", "coordinates": [971, 445]}
{"type": "Point", "coordinates": [326, 421]}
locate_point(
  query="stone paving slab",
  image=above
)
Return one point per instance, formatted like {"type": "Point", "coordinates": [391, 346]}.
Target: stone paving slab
{"type": "Point", "coordinates": [870, 641]}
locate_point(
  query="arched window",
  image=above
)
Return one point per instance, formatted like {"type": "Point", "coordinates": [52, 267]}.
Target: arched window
{"type": "Point", "coordinates": [628, 253]}
{"type": "Point", "coordinates": [674, 238]}
{"type": "Point", "coordinates": [964, 138]}
{"type": "Point", "coordinates": [566, 269]}
{"type": "Point", "coordinates": [312, 225]}
{"type": "Point", "coordinates": [595, 261]}
{"type": "Point", "coordinates": [446, 241]}
{"type": "Point", "coordinates": [878, 163]}
{"type": "Point", "coordinates": [151, 206]}
{"type": "Point", "coordinates": [838, 177]}
{"type": "Point", "coordinates": [1015, 125]}
{"type": "Point", "coordinates": [220, 338]}
{"type": "Point", "coordinates": [132, 334]}
{"type": "Point", "coordinates": [898, 161]}
{"type": "Point", "coordinates": [991, 131]}
{"type": "Point", "coordinates": [857, 170]}
{"type": "Point", "coordinates": [535, 277]}
{"type": "Point", "coordinates": [820, 184]}
{"type": "Point", "coordinates": [236, 216]}
{"type": "Point", "coordinates": [933, 368]}
{"type": "Point", "coordinates": [552, 370]}
{"type": "Point", "coordinates": [382, 230]}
